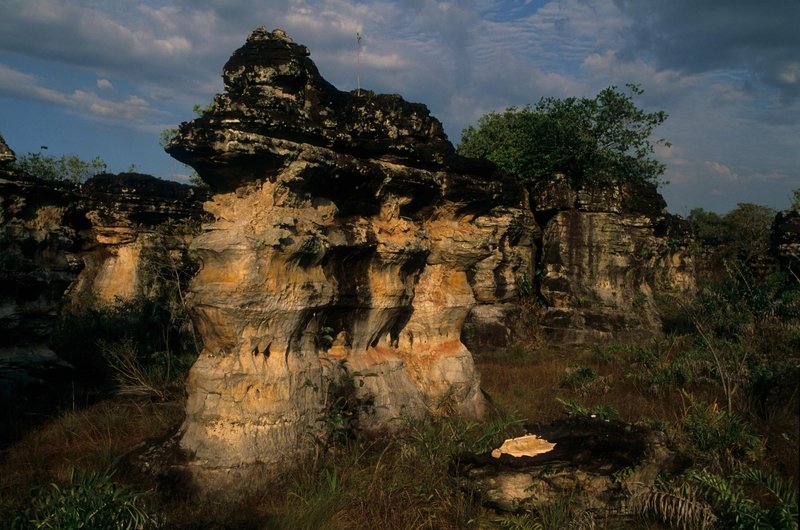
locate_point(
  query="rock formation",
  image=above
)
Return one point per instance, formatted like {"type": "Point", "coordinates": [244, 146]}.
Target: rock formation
{"type": "Point", "coordinates": [6, 154]}
{"type": "Point", "coordinates": [62, 244]}
{"type": "Point", "coordinates": [348, 244]}
{"type": "Point", "coordinates": [605, 255]}
{"type": "Point", "coordinates": [594, 462]}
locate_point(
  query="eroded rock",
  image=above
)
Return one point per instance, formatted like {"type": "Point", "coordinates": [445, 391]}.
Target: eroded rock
{"type": "Point", "coordinates": [596, 463]}
{"type": "Point", "coordinates": [6, 154]}
{"type": "Point", "coordinates": [606, 255]}
{"type": "Point", "coordinates": [348, 245]}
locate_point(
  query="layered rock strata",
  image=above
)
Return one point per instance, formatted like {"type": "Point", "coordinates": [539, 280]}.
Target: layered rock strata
{"type": "Point", "coordinates": [606, 255]}
{"type": "Point", "coordinates": [348, 245]}
{"type": "Point", "coordinates": [69, 244]}
{"type": "Point", "coordinates": [65, 246]}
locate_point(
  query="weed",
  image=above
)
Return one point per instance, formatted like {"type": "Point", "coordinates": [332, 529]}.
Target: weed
{"type": "Point", "coordinates": [90, 501]}
{"type": "Point", "coordinates": [584, 380]}
{"type": "Point", "coordinates": [739, 510]}
{"type": "Point", "coordinates": [602, 412]}
{"type": "Point", "coordinates": [718, 436]}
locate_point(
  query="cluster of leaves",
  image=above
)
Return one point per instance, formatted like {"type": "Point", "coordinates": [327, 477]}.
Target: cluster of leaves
{"type": "Point", "coordinates": [70, 168]}
{"type": "Point", "coordinates": [741, 234]}
{"type": "Point", "coordinates": [89, 501]}
{"type": "Point", "coordinates": [592, 140]}
{"type": "Point", "coordinates": [744, 499]}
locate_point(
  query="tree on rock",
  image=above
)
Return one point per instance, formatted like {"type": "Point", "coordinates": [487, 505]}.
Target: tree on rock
{"type": "Point", "coordinates": [70, 168]}
{"type": "Point", "coordinates": [605, 139]}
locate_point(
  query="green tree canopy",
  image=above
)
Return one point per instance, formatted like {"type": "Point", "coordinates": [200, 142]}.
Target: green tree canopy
{"type": "Point", "coordinates": [65, 167]}
{"type": "Point", "coordinates": [592, 140]}
{"type": "Point", "coordinates": [743, 233]}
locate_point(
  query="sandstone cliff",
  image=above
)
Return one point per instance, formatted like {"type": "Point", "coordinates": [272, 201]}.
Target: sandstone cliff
{"type": "Point", "coordinates": [605, 257]}
{"type": "Point", "coordinates": [348, 244]}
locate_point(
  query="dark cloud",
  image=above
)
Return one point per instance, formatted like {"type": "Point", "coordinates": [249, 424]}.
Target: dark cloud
{"type": "Point", "coordinates": [696, 36]}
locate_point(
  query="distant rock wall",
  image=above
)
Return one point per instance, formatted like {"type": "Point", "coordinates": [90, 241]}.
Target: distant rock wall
{"type": "Point", "coordinates": [67, 244]}
{"type": "Point", "coordinates": [348, 245]}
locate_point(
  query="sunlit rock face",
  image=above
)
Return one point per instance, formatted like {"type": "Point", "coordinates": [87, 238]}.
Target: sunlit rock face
{"type": "Point", "coordinates": [347, 246]}
{"type": "Point", "coordinates": [119, 215]}
{"type": "Point", "coordinates": [606, 256]}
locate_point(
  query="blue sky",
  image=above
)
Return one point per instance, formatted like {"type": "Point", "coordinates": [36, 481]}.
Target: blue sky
{"type": "Point", "coordinates": [100, 77]}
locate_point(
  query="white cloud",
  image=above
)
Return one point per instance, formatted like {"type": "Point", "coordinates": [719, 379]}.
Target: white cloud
{"type": "Point", "coordinates": [104, 84]}
{"type": "Point", "coordinates": [134, 109]}
{"type": "Point", "coordinates": [721, 171]}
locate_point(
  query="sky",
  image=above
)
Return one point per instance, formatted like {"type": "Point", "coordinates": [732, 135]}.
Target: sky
{"type": "Point", "coordinates": [105, 77]}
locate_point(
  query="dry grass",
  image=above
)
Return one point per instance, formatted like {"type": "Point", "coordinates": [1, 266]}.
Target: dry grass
{"type": "Point", "coordinates": [532, 387]}
{"type": "Point", "coordinates": [92, 439]}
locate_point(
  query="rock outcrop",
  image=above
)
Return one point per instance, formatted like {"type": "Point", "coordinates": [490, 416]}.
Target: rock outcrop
{"type": "Point", "coordinates": [596, 463]}
{"type": "Point", "coordinates": [605, 256]}
{"type": "Point", "coordinates": [348, 244]}
{"type": "Point", "coordinates": [67, 245]}
{"type": "Point", "coordinates": [6, 154]}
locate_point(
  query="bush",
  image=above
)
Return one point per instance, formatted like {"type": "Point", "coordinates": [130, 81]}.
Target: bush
{"type": "Point", "coordinates": [737, 508]}
{"type": "Point", "coordinates": [65, 167]}
{"type": "Point", "coordinates": [719, 437]}
{"type": "Point", "coordinates": [89, 501]}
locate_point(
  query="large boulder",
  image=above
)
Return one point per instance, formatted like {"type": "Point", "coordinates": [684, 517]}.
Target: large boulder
{"type": "Point", "coordinates": [348, 244]}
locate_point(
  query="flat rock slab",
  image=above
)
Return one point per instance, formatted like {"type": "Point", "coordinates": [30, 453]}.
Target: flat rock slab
{"type": "Point", "coordinates": [593, 461]}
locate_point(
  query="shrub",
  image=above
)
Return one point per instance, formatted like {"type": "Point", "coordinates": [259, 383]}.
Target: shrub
{"type": "Point", "coordinates": [601, 412]}
{"type": "Point", "coordinates": [90, 501]}
{"type": "Point", "coordinates": [718, 436]}
{"type": "Point", "coordinates": [738, 509]}
{"type": "Point", "coordinates": [65, 167]}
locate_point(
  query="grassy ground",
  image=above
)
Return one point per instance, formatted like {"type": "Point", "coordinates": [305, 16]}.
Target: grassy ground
{"type": "Point", "coordinates": [401, 480]}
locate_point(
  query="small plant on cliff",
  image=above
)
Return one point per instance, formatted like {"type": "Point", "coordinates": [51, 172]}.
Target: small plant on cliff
{"type": "Point", "coordinates": [592, 140]}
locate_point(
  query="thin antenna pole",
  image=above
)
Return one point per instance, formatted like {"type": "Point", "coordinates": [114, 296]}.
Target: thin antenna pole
{"type": "Point", "coordinates": [358, 63]}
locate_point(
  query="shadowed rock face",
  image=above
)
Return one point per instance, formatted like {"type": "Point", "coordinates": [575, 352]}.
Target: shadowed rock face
{"type": "Point", "coordinates": [6, 154]}
{"type": "Point", "coordinates": [80, 242]}
{"type": "Point", "coordinates": [347, 248]}
{"type": "Point", "coordinates": [62, 244]}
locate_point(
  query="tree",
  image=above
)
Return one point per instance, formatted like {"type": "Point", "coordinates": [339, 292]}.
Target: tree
{"type": "Point", "coordinates": [592, 140]}
{"type": "Point", "coordinates": [64, 167]}
{"type": "Point", "coordinates": [742, 234]}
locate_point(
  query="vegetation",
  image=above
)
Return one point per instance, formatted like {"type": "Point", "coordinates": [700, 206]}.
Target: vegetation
{"type": "Point", "coordinates": [591, 140]}
{"type": "Point", "coordinates": [742, 234]}
{"type": "Point", "coordinates": [92, 501]}
{"type": "Point", "coordinates": [70, 168]}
